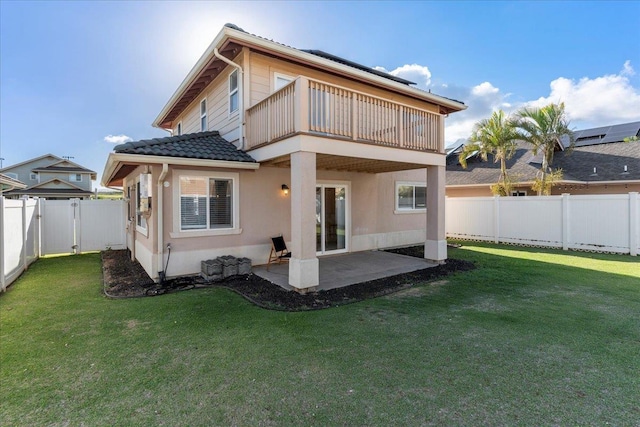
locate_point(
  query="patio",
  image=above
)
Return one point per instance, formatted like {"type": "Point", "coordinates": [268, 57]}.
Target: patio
{"type": "Point", "coordinates": [337, 271]}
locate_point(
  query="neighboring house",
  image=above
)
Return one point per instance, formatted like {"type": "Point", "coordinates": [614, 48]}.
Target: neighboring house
{"type": "Point", "coordinates": [50, 177]}
{"type": "Point", "coordinates": [600, 162]}
{"type": "Point", "coordinates": [268, 139]}
{"type": "Point", "coordinates": [8, 183]}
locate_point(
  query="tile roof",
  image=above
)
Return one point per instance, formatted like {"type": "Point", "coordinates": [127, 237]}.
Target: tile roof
{"type": "Point", "coordinates": [201, 145]}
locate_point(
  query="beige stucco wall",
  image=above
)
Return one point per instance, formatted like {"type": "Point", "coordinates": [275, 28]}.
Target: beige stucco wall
{"type": "Point", "coordinates": [266, 212]}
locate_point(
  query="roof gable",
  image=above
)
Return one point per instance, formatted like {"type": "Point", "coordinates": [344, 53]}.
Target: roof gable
{"type": "Point", "coordinates": [55, 183]}
{"type": "Point", "coordinates": [34, 160]}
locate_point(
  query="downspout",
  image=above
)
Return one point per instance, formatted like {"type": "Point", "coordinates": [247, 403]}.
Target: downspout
{"type": "Point", "coordinates": [240, 91]}
{"type": "Point", "coordinates": [160, 219]}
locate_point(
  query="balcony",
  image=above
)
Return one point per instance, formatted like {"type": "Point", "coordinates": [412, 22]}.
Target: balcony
{"type": "Point", "coordinates": [312, 107]}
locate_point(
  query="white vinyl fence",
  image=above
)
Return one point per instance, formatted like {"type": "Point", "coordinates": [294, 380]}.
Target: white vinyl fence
{"type": "Point", "coordinates": [607, 223]}
{"type": "Point", "coordinates": [30, 228]}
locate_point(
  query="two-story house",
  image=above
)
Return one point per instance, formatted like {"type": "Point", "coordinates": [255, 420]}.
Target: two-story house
{"type": "Point", "coordinates": [50, 177]}
{"type": "Point", "coordinates": [268, 140]}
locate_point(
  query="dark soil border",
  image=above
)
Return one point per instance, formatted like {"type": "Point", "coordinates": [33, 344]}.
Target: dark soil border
{"type": "Point", "coordinates": [131, 283]}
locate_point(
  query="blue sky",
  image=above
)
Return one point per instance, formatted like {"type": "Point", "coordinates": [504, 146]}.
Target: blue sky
{"type": "Point", "coordinates": [74, 73]}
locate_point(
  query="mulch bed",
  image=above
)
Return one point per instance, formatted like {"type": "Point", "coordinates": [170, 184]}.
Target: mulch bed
{"type": "Point", "coordinates": [126, 279]}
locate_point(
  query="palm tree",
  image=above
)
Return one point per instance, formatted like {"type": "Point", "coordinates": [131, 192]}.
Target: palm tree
{"type": "Point", "coordinates": [544, 128]}
{"type": "Point", "coordinates": [496, 136]}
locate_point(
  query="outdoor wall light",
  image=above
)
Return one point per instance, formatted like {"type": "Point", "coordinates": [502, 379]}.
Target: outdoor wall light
{"type": "Point", "coordinates": [285, 189]}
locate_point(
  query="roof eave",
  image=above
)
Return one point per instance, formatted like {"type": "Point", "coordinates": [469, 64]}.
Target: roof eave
{"type": "Point", "coordinates": [116, 160]}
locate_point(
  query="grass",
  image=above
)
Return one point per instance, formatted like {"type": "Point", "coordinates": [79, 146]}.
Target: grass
{"type": "Point", "coordinates": [532, 337]}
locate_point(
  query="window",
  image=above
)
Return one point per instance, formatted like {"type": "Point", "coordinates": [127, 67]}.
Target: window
{"type": "Point", "coordinates": [206, 203]}
{"type": "Point", "coordinates": [141, 221]}
{"type": "Point", "coordinates": [179, 127]}
{"type": "Point", "coordinates": [12, 175]}
{"type": "Point", "coordinates": [280, 81]}
{"type": "Point", "coordinates": [519, 193]}
{"type": "Point", "coordinates": [203, 115]}
{"type": "Point", "coordinates": [411, 196]}
{"type": "Point", "coordinates": [234, 97]}
{"type": "Point", "coordinates": [33, 176]}
{"type": "Point", "coordinates": [75, 177]}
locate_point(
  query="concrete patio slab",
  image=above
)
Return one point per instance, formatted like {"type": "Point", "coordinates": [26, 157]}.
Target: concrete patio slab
{"type": "Point", "coordinates": [341, 270]}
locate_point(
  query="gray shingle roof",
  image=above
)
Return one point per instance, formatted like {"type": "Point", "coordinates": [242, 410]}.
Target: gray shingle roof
{"type": "Point", "coordinates": [607, 156]}
{"type": "Point", "coordinates": [201, 145]}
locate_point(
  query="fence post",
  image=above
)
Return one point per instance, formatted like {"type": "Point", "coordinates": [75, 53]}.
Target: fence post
{"type": "Point", "coordinates": [2, 251]}
{"type": "Point", "coordinates": [75, 204]}
{"type": "Point", "coordinates": [634, 223]}
{"type": "Point", "coordinates": [38, 222]}
{"type": "Point", "coordinates": [565, 221]}
{"type": "Point", "coordinates": [24, 234]}
{"type": "Point", "coordinates": [496, 219]}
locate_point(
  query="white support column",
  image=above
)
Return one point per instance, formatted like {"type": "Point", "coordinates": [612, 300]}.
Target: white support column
{"type": "Point", "coordinates": [435, 247]}
{"type": "Point", "coordinates": [634, 224]}
{"type": "Point", "coordinates": [304, 274]}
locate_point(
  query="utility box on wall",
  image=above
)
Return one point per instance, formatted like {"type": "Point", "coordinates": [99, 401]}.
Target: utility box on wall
{"type": "Point", "coordinates": [145, 192]}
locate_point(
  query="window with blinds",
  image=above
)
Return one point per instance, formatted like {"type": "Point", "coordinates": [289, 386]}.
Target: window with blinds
{"type": "Point", "coordinates": [206, 203]}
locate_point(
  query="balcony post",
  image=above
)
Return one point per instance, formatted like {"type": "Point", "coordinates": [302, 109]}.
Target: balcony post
{"type": "Point", "coordinates": [301, 105]}
{"type": "Point", "coordinates": [354, 116]}
{"type": "Point", "coordinates": [441, 134]}
{"type": "Point", "coordinates": [400, 126]}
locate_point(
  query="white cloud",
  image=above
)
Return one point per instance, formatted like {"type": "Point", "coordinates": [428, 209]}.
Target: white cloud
{"type": "Point", "coordinates": [117, 139]}
{"type": "Point", "coordinates": [596, 101]}
{"type": "Point", "coordinates": [420, 74]}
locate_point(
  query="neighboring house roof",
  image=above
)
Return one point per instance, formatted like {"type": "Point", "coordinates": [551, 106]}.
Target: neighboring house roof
{"type": "Point", "coordinates": [6, 182]}
{"type": "Point", "coordinates": [202, 145]}
{"type": "Point", "coordinates": [35, 159]}
{"type": "Point", "coordinates": [52, 188]}
{"type": "Point", "coordinates": [230, 41]}
{"type": "Point", "coordinates": [58, 165]}
{"type": "Point", "coordinates": [609, 156]}
{"type": "Point", "coordinates": [206, 149]}
{"type": "Point", "coordinates": [606, 134]}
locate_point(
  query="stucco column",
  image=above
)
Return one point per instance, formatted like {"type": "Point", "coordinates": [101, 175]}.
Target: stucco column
{"type": "Point", "coordinates": [303, 266]}
{"type": "Point", "coordinates": [435, 247]}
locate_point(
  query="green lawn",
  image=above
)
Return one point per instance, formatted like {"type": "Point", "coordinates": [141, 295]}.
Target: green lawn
{"type": "Point", "coordinates": [532, 337]}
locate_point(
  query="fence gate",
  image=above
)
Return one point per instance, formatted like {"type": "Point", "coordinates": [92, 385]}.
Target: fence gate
{"type": "Point", "coordinates": [74, 226]}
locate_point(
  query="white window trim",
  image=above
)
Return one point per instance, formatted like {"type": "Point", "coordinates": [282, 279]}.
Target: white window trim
{"type": "Point", "coordinates": [177, 233]}
{"type": "Point", "coordinates": [139, 229]}
{"type": "Point", "coordinates": [282, 76]}
{"type": "Point", "coordinates": [33, 176]}
{"type": "Point", "coordinates": [179, 129]}
{"type": "Point", "coordinates": [204, 115]}
{"type": "Point", "coordinates": [396, 209]}
{"type": "Point", "coordinates": [232, 92]}
{"type": "Point", "coordinates": [12, 175]}
{"type": "Point", "coordinates": [73, 176]}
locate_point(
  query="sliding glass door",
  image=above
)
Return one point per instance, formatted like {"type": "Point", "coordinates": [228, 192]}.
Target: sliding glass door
{"type": "Point", "coordinates": [331, 218]}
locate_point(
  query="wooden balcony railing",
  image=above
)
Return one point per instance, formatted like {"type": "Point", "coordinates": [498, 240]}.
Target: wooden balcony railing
{"type": "Point", "coordinates": [318, 108]}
